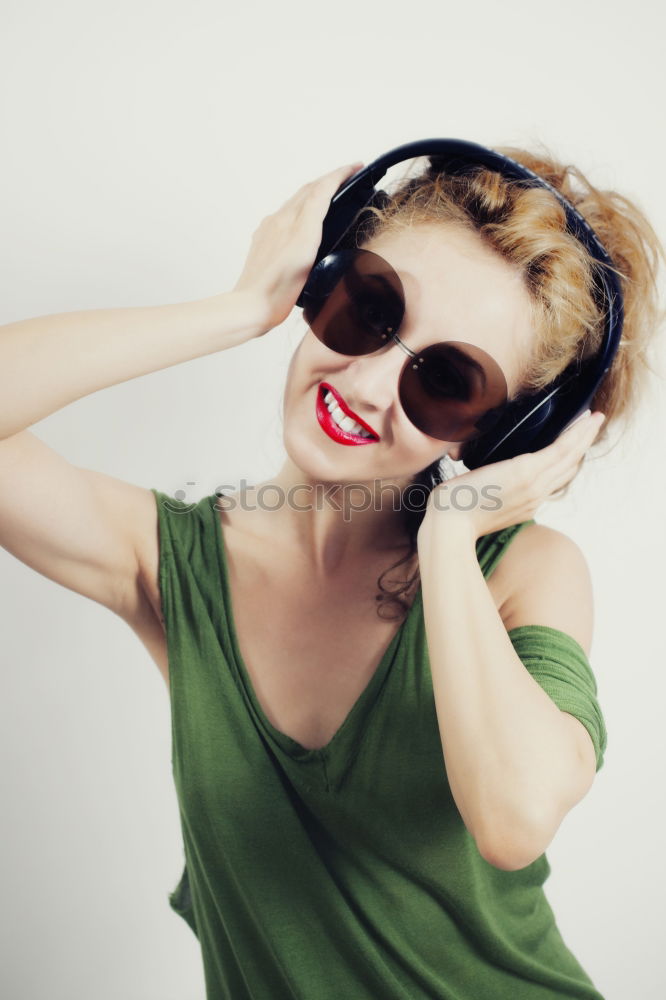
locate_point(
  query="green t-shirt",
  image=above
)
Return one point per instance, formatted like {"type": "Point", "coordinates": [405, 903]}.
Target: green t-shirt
{"type": "Point", "coordinates": [346, 872]}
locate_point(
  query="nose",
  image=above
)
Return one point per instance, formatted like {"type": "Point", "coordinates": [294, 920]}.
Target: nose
{"type": "Point", "coordinates": [372, 379]}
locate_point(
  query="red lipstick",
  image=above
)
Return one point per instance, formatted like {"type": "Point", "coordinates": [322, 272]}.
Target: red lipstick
{"type": "Point", "coordinates": [329, 425]}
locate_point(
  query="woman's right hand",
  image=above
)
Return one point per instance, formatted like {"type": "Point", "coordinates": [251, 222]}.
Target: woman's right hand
{"type": "Point", "coordinates": [284, 247]}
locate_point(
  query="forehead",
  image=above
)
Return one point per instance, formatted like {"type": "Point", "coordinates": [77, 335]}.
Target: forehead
{"type": "Point", "coordinates": [457, 288]}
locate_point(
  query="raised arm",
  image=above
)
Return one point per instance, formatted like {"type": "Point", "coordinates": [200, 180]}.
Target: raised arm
{"type": "Point", "coordinates": [50, 361]}
{"type": "Point", "coordinates": [81, 528]}
{"type": "Point", "coordinates": [85, 530]}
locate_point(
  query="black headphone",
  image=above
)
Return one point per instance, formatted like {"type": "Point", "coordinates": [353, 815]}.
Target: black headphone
{"type": "Point", "coordinates": [529, 422]}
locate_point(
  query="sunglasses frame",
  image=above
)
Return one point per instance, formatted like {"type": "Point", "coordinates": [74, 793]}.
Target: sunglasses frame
{"type": "Point", "coordinates": [331, 273]}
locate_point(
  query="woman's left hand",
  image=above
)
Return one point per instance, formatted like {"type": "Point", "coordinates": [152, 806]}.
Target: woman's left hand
{"type": "Point", "coordinates": [504, 493]}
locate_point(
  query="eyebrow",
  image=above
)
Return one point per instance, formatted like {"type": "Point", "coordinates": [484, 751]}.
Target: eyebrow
{"type": "Point", "coordinates": [383, 281]}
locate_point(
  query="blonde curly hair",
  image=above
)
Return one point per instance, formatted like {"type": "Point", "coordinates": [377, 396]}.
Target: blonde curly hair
{"type": "Point", "coordinates": [527, 227]}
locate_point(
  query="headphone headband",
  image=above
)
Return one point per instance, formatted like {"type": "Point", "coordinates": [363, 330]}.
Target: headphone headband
{"type": "Point", "coordinates": [530, 422]}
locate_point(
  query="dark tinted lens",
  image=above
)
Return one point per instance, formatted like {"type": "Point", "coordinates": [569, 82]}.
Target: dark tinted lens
{"type": "Point", "coordinates": [452, 391]}
{"type": "Point", "coordinates": [361, 304]}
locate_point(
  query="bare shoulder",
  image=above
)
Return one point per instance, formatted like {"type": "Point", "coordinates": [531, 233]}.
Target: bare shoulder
{"type": "Point", "coordinates": [78, 527]}
{"type": "Point", "coordinates": [93, 533]}
{"type": "Point", "coordinates": [546, 581]}
{"type": "Point", "coordinates": [133, 511]}
{"type": "Point", "coordinates": [142, 605]}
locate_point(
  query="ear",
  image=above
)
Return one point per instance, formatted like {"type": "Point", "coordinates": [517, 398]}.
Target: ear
{"type": "Point", "coordinates": [454, 451]}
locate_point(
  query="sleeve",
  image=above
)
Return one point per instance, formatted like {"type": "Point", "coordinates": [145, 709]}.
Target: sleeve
{"type": "Point", "coordinates": [174, 535]}
{"type": "Point", "coordinates": [560, 665]}
{"type": "Point", "coordinates": [177, 573]}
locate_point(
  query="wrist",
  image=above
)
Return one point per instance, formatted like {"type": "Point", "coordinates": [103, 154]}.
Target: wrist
{"type": "Point", "coordinates": [437, 529]}
{"type": "Point", "coordinates": [245, 312]}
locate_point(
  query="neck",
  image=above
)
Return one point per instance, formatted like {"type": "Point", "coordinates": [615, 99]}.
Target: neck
{"type": "Point", "coordinates": [334, 526]}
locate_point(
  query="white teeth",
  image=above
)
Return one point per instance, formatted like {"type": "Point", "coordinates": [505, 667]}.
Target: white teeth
{"type": "Point", "coordinates": [348, 424]}
{"type": "Point", "coordinates": [341, 418]}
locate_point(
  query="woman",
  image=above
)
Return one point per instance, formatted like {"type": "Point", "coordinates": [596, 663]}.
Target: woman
{"type": "Point", "coordinates": [366, 797]}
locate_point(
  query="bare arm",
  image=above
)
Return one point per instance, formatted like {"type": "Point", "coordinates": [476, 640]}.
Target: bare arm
{"type": "Point", "coordinates": [516, 763]}
{"type": "Point", "coordinates": [90, 532]}
{"type": "Point", "coordinates": [50, 361]}
{"type": "Point", "coordinates": [87, 531]}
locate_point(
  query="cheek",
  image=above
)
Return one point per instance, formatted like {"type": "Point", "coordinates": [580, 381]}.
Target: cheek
{"type": "Point", "coordinates": [410, 453]}
{"type": "Point", "coordinates": [292, 363]}
{"type": "Point", "coordinates": [293, 378]}
{"type": "Point", "coordinates": [421, 449]}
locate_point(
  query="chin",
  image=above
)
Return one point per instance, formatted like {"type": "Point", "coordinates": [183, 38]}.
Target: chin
{"type": "Point", "coordinates": [306, 456]}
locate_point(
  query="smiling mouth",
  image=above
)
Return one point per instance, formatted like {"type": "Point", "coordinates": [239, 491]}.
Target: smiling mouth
{"type": "Point", "coordinates": [337, 419]}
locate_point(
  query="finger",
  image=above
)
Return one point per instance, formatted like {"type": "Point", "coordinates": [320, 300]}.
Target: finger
{"type": "Point", "coordinates": [321, 187]}
{"type": "Point", "coordinates": [565, 475]}
{"type": "Point", "coordinates": [571, 459]}
{"type": "Point", "coordinates": [344, 171]}
{"type": "Point", "coordinates": [324, 187]}
{"type": "Point", "coordinates": [576, 436]}
{"type": "Point", "coordinates": [586, 429]}
{"type": "Point", "coordinates": [579, 419]}
{"type": "Point", "coordinates": [332, 177]}
{"type": "Point", "coordinates": [558, 461]}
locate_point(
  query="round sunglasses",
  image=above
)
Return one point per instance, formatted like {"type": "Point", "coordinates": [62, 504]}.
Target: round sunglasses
{"type": "Point", "coordinates": [451, 390]}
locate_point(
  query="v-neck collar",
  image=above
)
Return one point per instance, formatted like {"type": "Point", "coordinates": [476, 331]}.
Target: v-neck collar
{"type": "Point", "coordinates": [344, 741]}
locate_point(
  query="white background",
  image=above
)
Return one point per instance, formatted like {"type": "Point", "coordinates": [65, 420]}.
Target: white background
{"type": "Point", "coordinates": [142, 143]}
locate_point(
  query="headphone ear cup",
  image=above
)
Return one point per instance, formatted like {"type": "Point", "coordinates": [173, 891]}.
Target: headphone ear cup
{"type": "Point", "coordinates": [323, 277]}
{"type": "Point", "coordinates": [318, 280]}
{"type": "Point", "coordinates": [518, 426]}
